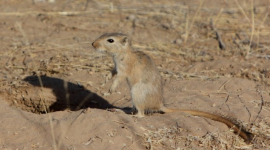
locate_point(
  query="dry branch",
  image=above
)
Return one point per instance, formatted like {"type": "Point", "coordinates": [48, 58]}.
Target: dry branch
{"type": "Point", "coordinates": [220, 42]}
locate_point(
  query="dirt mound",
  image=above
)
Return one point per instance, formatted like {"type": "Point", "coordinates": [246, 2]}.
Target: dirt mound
{"type": "Point", "coordinates": [54, 86]}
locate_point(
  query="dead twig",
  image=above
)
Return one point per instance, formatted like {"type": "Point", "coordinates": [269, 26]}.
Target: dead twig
{"type": "Point", "coordinates": [262, 102]}
{"type": "Point", "coordinates": [263, 56]}
{"type": "Point", "coordinates": [220, 42]}
{"type": "Point", "coordinates": [245, 107]}
{"type": "Point", "coordinates": [227, 101]}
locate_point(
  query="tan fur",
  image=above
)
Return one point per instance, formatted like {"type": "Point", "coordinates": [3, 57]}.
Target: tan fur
{"type": "Point", "coordinates": [144, 79]}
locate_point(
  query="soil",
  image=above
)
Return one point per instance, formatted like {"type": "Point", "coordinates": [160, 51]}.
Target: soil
{"type": "Point", "coordinates": [213, 56]}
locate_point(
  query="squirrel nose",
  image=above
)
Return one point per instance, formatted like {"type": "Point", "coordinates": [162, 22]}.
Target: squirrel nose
{"type": "Point", "coordinates": [93, 44]}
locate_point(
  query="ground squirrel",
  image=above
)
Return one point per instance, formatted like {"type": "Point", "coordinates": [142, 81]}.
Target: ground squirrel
{"type": "Point", "coordinates": [144, 80]}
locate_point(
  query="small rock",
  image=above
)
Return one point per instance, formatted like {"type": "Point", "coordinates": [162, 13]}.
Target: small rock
{"type": "Point", "coordinates": [178, 41]}
{"type": "Point", "coordinates": [165, 26]}
{"type": "Point", "coordinates": [131, 17]}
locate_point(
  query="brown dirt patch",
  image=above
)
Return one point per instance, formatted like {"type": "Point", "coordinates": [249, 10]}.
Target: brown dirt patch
{"type": "Point", "coordinates": [66, 108]}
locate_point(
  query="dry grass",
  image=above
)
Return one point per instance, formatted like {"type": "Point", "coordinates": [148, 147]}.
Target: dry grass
{"type": "Point", "coordinates": [246, 38]}
{"type": "Point", "coordinates": [172, 138]}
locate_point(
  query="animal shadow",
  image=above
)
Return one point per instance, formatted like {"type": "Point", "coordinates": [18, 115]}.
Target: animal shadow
{"type": "Point", "coordinates": [69, 95]}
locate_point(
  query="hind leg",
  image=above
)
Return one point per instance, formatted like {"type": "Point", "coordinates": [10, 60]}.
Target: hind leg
{"type": "Point", "coordinates": [138, 97]}
{"type": "Point", "coordinates": [139, 107]}
{"type": "Point", "coordinates": [140, 113]}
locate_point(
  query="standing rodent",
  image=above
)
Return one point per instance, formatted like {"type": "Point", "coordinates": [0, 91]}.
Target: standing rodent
{"type": "Point", "coordinates": [144, 80]}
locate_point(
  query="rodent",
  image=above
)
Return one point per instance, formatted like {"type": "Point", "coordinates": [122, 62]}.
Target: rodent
{"type": "Point", "coordinates": [145, 82]}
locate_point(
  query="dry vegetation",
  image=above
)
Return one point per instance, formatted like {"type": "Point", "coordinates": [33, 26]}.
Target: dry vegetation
{"type": "Point", "coordinates": [212, 55]}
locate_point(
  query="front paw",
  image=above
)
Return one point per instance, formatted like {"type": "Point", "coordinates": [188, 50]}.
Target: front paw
{"type": "Point", "coordinates": [112, 89]}
{"type": "Point", "coordinates": [108, 77]}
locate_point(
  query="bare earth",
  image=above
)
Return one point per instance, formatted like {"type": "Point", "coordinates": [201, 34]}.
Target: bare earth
{"type": "Point", "coordinates": [54, 87]}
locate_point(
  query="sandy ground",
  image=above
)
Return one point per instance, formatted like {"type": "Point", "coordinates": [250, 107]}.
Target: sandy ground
{"type": "Point", "coordinates": [53, 89]}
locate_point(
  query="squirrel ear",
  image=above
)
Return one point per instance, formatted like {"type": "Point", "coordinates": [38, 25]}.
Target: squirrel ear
{"type": "Point", "coordinates": [125, 41]}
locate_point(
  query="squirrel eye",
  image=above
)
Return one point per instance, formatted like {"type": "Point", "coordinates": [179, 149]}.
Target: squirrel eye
{"type": "Point", "coordinates": [110, 40]}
